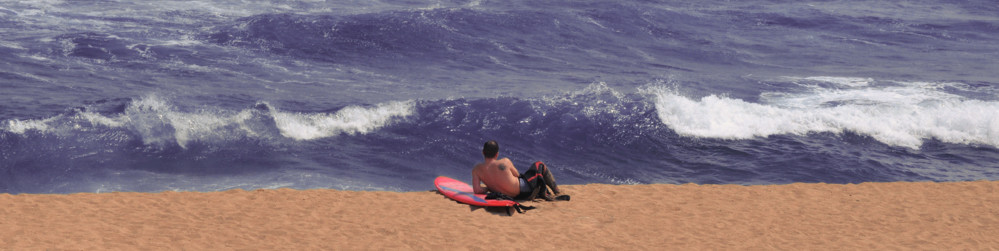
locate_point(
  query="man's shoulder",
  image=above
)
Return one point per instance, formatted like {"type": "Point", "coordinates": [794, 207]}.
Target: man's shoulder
{"type": "Point", "coordinates": [504, 163]}
{"type": "Point", "coordinates": [478, 166]}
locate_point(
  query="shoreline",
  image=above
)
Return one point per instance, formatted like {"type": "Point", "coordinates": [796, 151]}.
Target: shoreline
{"type": "Point", "coordinates": [897, 215]}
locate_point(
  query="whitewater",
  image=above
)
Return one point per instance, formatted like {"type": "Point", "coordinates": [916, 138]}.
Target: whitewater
{"type": "Point", "coordinates": [386, 95]}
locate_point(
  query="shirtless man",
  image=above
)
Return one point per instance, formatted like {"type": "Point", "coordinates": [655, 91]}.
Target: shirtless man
{"type": "Point", "coordinates": [499, 175]}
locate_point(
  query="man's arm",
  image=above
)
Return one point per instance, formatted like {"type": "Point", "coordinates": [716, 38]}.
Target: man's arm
{"type": "Point", "coordinates": [513, 170]}
{"type": "Point", "coordinates": [477, 184]}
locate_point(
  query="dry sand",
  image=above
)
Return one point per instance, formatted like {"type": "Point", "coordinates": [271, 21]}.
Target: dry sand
{"type": "Point", "coordinates": [934, 216]}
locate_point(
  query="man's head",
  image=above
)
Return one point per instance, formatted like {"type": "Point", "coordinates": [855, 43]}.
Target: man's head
{"type": "Point", "coordinates": [490, 149]}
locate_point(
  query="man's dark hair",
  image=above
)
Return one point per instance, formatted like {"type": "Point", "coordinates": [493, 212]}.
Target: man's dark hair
{"type": "Point", "coordinates": [490, 149]}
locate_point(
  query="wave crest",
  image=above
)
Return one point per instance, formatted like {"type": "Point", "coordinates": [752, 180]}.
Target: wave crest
{"type": "Point", "coordinates": [158, 123]}
{"type": "Point", "coordinates": [895, 113]}
{"type": "Point", "coordinates": [349, 120]}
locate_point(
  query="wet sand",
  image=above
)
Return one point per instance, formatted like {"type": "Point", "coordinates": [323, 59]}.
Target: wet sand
{"type": "Point", "coordinates": [959, 215]}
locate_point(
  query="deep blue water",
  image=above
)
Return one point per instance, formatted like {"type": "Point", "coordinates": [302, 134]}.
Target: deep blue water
{"type": "Point", "coordinates": [149, 96]}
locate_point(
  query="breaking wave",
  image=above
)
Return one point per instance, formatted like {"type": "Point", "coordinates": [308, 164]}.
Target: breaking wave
{"type": "Point", "coordinates": [155, 121]}
{"type": "Point", "coordinates": [892, 112]}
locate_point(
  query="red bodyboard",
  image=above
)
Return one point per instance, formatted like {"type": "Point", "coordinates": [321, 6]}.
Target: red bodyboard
{"type": "Point", "coordinates": [462, 192]}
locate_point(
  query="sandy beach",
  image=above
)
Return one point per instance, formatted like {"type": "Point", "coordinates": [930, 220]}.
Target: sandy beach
{"type": "Point", "coordinates": [934, 216]}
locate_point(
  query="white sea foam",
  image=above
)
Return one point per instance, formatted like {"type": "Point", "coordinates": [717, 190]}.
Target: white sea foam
{"type": "Point", "coordinates": [158, 123]}
{"type": "Point", "coordinates": [845, 81]}
{"type": "Point", "coordinates": [349, 120]}
{"type": "Point", "coordinates": [12, 45]}
{"type": "Point", "coordinates": [23, 126]}
{"type": "Point", "coordinates": [901, 114]}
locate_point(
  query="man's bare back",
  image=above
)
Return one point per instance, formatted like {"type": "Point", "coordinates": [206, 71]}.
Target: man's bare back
{"type": "Point", "coordinates": [499, 175]}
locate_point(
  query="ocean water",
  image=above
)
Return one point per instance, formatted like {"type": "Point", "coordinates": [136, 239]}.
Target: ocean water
{"type": "Point", "coordinates": [100, 96]}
